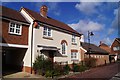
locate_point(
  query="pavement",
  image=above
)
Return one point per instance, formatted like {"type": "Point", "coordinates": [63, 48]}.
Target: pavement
{"type": "Point", "coordinates": [99, 73]}
{"type": "Point", "coordinates": [110, 72]}
{"type": "Point", "coordinates": [22, 75]}
{"type": "Point", "coordinates": [116, 77]}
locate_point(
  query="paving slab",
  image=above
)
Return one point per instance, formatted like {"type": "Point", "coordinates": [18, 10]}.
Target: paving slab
{"type": "Point", "coordinates": [23, 75]}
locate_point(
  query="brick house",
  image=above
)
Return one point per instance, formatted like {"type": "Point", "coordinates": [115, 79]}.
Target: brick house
{"type": "Point", "coordinates": [115, 48]}
{"type": "Point", "coordinates": [95, 52]}
{"type": "Point", "coordinates": [108, 49]}
{"type": "Point", "coordinates": [14, 35]}
{"type": "Point", "coordinates": [38, 34]}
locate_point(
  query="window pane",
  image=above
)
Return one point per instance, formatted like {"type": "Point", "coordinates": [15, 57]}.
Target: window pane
{"type": "Point", "coordinates": [17, 26]}
{"type": "Point", "coordinates": [17, 31]}
{"type": "Point", "coordinates": [11, 29]}
{"type": "Point", "coordinates": [12, 25]}
{"type": "Point", "coordinates": [45, 28]}
{"type": "Point", "coordinates": [73, 38]}
{"type": "Point", "coordinates": [45, 31]}
{"type": "Point", "coordinates": [49, 32]}
{"type": "Point", "coordinates": [63, 48]}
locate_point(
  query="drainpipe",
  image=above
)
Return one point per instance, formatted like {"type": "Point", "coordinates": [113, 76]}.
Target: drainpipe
{"type": "Point", "coordinates": [31, 46]}
{"type": "Point", "coordinates": [34, 25]}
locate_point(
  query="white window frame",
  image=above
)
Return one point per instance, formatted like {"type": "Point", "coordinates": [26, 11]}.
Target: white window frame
{"type": "Point", "coordinates": [65, 51]}
{"type": "Point", "coordinates": [74, 39]}
{"type": "Point", "coordinates": [73, 54]}
{"type": "Point", "coordinates": [116, 48]}
{"type": "Point", "coordinates": [47, 32]}
{"type": "Point", "coordinates": [15, 28]}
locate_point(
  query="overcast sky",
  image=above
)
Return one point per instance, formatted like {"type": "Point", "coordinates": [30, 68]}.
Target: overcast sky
{"type": "Point", "coordinates": [99, 17]}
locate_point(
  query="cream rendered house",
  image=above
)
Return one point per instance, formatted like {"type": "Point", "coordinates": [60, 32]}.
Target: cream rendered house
{"type": "Point", "coordinates": [51, 38]}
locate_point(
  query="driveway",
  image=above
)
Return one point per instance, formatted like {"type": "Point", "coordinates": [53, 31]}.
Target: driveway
{"type": "Point", "coordinates": [99, 73]}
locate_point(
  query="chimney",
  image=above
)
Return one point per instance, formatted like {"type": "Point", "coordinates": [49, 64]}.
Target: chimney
{"type": "Point", "coordinates": [43, 10]}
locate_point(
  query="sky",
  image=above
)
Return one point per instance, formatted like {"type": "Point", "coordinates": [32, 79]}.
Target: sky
{"type": "Point", "coordinates": [101, 18]}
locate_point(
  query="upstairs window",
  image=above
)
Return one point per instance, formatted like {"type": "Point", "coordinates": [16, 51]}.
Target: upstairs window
{"type": "Point", "coordinates": [15, 28]}
{"type": "Point", "coordinates": [73, 39]}
{"type": "Point", "coordinates": [116, 48]}
{"type": "Point", "coordinates": [47, 32]}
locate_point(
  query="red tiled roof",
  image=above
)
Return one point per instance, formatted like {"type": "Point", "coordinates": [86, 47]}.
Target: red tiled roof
{"type": "Point", "coordinates": [118, 39]}
{"type": "Point", "coordinates": [103, 44]}
{"type": "Point", "coordinates": [94, 49]}
{"type": "Point", "coordinates": [11, 14]}
{"type": "Point", "coordinates": [50, 21]}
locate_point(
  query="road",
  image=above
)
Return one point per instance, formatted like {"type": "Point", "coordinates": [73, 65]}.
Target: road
{"type": "Point", "coordinates": [98, 73]}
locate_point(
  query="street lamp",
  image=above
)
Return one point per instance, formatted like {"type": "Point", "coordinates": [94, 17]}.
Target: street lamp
{"type": "Point", "coordinates": [89, 49]}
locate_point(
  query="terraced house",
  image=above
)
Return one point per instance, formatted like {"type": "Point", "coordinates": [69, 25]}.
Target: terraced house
{"type": "Point", "coordinates": [38, 34]}
{"type": "Point", "coordinates": [14, 35]}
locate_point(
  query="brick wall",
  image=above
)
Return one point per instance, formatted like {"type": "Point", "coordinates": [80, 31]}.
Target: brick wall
{"type": "Point", "coordinates": [12, 38]}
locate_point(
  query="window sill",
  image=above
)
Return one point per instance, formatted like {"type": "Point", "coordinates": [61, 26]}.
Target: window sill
{"type": "Point", "coordinates": [74, 43]}
{"type": "Point", "coordinates": [46, 37]}
{"type": "Point", "coordinates": [74, 59]}
{"type": "Point", "coordinates": [64, 55]}
{"type": "Point", "coordinates": [14, 34]}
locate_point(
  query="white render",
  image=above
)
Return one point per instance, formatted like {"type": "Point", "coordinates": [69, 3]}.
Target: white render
{"type": "Point", "coordinates": [27, 58]}
{"type": "Point", "coordinates": [57, 37]}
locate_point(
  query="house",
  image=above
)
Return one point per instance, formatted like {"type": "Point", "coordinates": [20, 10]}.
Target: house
{"type": "Point", "coordinates": [108, 49]}
{"type": "Point", "coordinates": [91, 50]}
{"type": "Point", "coordinates": [105, 47]}
{"type": "Point", "coordinates": [27, 34]}
{"type": "Point", "coordinates": [51, 38]}
{"type": "Point", "coordinates": [115, 47]}
{"type": "Point", "coordinates": [14, 35]}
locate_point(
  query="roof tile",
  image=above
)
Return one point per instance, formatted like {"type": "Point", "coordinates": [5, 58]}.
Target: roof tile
{"type": "Point", "coordinates": [11, 14]}
{"type": "Point", "coordinates": [50, 21]}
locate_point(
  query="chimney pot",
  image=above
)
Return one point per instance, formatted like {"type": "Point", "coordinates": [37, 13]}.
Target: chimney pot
{"type": "Point", "coordinates": [43, 11]}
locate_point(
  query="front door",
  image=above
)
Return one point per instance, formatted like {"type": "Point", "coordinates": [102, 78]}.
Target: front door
{"type": "Point", "coordinates": [51, 55]}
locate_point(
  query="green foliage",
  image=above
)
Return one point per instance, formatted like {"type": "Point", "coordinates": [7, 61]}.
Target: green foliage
{"type": "Point", "coordinates": [90, 62]}
{"type": "Point", "coordinates": [42, 65]}
{"type": "Point", "coordinates": [82, 68]}
{"type": "Point", "coordinates": [66, 69]}
{"type": "Point", "coordinates": [45, 66]}
{"type": "Point", "coordinates": [49, 73]}
{"type": "Point", "coordinates": [76, 67]}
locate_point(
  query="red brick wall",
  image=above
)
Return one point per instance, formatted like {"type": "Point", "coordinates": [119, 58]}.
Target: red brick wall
{"type": "Point", "coordinates": [28, 69]}
{"type": "Point", "coordinates": [115, 44]}
{"type": "Point", "coordinates": [14, 39]}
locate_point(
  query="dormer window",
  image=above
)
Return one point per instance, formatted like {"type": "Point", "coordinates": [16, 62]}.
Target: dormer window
{"type": "Point", "coordinates": [15, 28]}
{"type": "Point", "coordinates": [47, 32]}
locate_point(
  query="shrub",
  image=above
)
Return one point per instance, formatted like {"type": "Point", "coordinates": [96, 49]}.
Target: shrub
{"type": "Point", "coordinates": [76, 67]}
{"type": "Point", "coordinates": [42, 65]}
{"type": "Point", "coordinates": [66, 69]}
{"type": "Point", "coordinates": [90, 62]}
{"type": "Point", "coordinates": [38, 65]}
{"type": "Point", "coordinates": [49, 73]}
{"type": "Point", "coordinates": [58, 69]}
{"type": "Point", "coordinates": [83, 68]}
